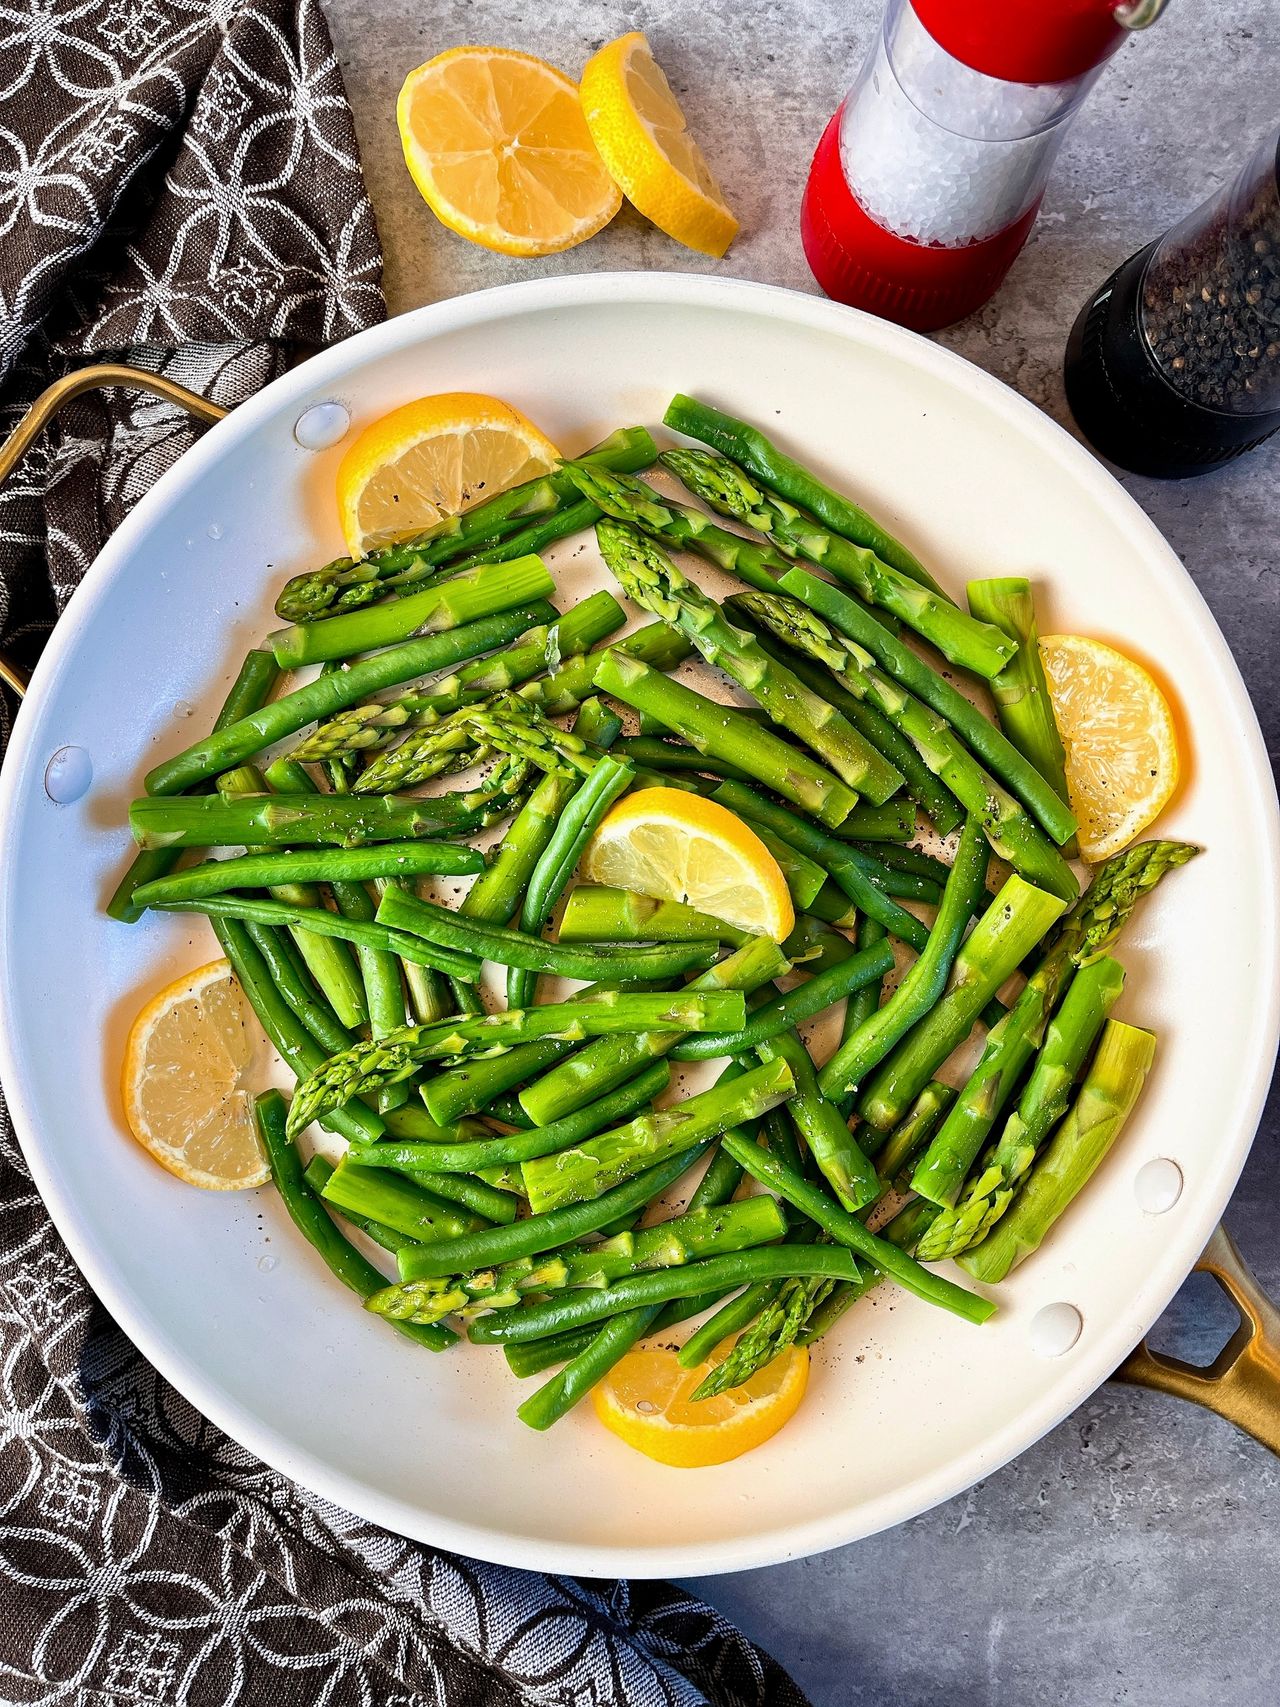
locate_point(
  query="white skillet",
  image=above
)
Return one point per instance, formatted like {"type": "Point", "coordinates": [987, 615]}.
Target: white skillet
{"type": "Point", "coordinates": [907, 1406]}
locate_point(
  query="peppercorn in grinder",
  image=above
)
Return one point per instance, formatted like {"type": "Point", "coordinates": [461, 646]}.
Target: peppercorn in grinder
{"type": "Point", "coordinates": [1173, 366]}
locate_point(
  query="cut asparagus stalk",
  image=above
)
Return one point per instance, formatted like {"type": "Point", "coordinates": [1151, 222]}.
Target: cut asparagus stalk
{"type": "Point", "coordinates": [1012, 925]}
{"type": "Point", "coordinates": [1068, 1039]}
{"type": "Point", "coordinates": [651, 580]}
{"type": "Point", "coordinates": [721, 732]}
{"type": "Point", "coordinates": [961, 638]}
{"type": "Point", "coordinates": [486, 590]}
{"type": "Point", "coordinates": [591, 1168]}
{"type": "Point", "coordinates": [1103, 1104]}
{"type": "Point", "coordinates": [1091, 928]}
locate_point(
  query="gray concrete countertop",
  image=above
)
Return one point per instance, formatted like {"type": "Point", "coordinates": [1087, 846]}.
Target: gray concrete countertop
{"type": "Point", "coordinates": [1133, 1555]}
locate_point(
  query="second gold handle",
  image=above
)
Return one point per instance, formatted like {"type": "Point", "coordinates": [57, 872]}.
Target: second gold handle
{"type": "Point", "coordinates": [1243, 1381]}
{"type": "Point", "coordinates": [54, 397]}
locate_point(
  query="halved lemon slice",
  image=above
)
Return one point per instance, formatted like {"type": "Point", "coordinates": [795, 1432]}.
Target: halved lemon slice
{"type": "Point", "coordinates": [644, 1400]}
{"type": "Point", "coordinates": [640, 131]}
{"type": "Point", "coordinates": [680, 847]}
{"type": "Point", "coordinates": [1119, 736]}
{"type": "Point", "coordinates": [434, 458]}
{"type": "Point", "coordinates": [498, 147]}
{"type": "Point", "coordinates": [190, 1073]}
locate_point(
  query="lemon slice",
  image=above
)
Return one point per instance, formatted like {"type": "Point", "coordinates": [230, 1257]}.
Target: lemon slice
{"type": "Point", "coordinates": [679, 847]}
{"type": "Point", "coordinates": [1119, 736]}
{"type": "Point", "coordinates": [645, 1400]}
{"type": "Point", "coordinates": [189, 1078]}
{"type": "Point", "coordinates": [499, 149]}
{"type": "Point", "coordinates": [434, 458]}
{"type": "Point", "coordinates": [636, 123]}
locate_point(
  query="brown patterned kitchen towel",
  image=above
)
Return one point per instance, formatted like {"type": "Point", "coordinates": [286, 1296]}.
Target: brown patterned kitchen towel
{"type": "Point", "coordinates": [180, 189]}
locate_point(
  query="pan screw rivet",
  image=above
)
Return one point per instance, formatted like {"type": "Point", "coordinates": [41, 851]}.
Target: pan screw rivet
{"type": "Point", "coordinates": [1157, 1185]}
{"type": "Point", "coordinates": [67, 775]}
{"type": "Point", "coordinates": [321, 426]}
{"type": "Point", "coordinates": [1055, 1329]}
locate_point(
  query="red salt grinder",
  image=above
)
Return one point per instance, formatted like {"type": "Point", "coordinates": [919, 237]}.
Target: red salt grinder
{"type": "Point", "coordinates": [927, 180]}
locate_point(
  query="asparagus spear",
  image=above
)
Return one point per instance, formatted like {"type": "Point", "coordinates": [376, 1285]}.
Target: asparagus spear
{"type": "Point", "coordinates": [748, 446]}
{"type": "Point", "coordinates": [852, 619]}
{"type": "Point", "coordinates": [1090, 929]}
{"type": "Point", "coordinates": [896, 817]}
{"type": "Point", "coordinates": [250, 691]}
{"type": "Point", "coordinates": [396, 1056]}
{"type": "Point", "coordinates": [348, 583]}
{"type": "Point", "coordinates": [628, 500]}
{"type": "Point", "coordinates": [1104, 1102]}
{"type": "Point", "coordinates": [502, 724]}
{"type": "Point", "coordinates": [320, 921]}
{"type": "Point", "coordinates": [601, 1162]}
{"type": "Point", "coordinates": [961, 638]}
{"type": "Point", "coordinates": [310, 1218]}
{"type": "Point", "coordinates": [378, 723]}
{"type": "Point", "coordinates": [1012, 833]}
{"type": "Point", "coordinates": [328, 693]}
{"type": "Point", "coordinates": [649, 577]}
{"type": "Point", "coordinates": [317, 1173]}
{"type": "Point", "coordinates": [532, 1321]}
{"type": "Point", "coordinates": [1001, 940]}
{"type": "Point", "coordinates": [669, 1244]}
{"type": "Point", "coordinates": [486, 590]}
{"type": "Point", "coordinates": [1021, 691]}
{"type": "Point", "coordinates": [911, 1135]}
{"type": "Point", "coordinates": [1068, 1039]}
{"type": "Point", "coordinates": [313, 865]}
{"type": "Point", "coordinates": [926, 979]}
{"type": "Point", "coordinates": [776, 1327]}
{"type": "Point", "coordinates": [721, 732]}
{"type": "Point", "coordinates": [602, 1065]}
{"type": "Point", "coordinates": [495, 895]}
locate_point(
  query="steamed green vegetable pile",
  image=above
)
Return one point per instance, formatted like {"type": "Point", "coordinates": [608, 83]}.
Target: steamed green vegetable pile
{"type": "Point", "coordinates": [513, 1163]}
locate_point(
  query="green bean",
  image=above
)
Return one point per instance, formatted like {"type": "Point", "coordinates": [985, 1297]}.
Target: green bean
{"type": "Point", "coordinates": [555, 866]}
{"type": "Point", "coordinates": [426, 1159]}
{"type": "Point", "coordinates": [250, 691]}
{"type": "Point", "coordinates": [848, 1230]}
{"type": "Point", "coordinates": [308, 1214]}
{"type": "Point", "coordinates": [532, 1321]}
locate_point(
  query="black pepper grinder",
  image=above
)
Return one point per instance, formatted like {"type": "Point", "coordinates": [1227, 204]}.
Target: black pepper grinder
{"type": "Point", "coordinates": [1173, 366]}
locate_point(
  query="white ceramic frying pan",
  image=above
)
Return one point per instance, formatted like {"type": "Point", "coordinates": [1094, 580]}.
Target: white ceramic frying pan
{"type": "Point", "coordinates": [906, 1405]}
